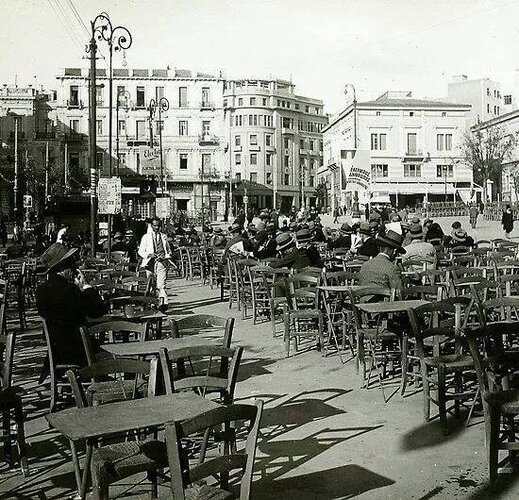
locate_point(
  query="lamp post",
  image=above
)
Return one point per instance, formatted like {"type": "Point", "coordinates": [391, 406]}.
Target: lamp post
{"type": "Point", "coordinates": [161, 105]}
{"type": "Point", "coordinates": [355, 193]}
{"type": "Point", "coordinates": [118, 38]}
{"type": "Point", "coordinates": [126, 95]}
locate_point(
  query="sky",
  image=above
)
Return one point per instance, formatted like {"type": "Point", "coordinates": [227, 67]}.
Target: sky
{"type": "Point", "coordinates": [376, 45]}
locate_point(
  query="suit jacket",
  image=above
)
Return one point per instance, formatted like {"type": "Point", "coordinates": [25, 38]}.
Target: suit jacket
{"type": "Point", "coordinates": [380, 272]}
{"type": "Point", "coordinates": [369, 248]}
{"type": "Point", "coordinates": [147, 247]}
{"type": "Point", "coordinates": [297, 258]}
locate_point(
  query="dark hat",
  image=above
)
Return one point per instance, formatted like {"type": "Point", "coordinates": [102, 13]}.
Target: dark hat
{"type": "Point", "coordinates": [57, 256]}
{"type": "Point", "coordinates": [393, 240]}
{"type": "Point", "coordinates": [374, 225]}
{"type": "Point", "coordinates": [235, 228]}
{"type": "Point", "coordinates": [415, 220]}
{"type": "Point", "coordinates": [345, 228]}
{"type": "Point", "coordinates": [264, 214]}
{"type": "Point", "coordinates": [311, 225]}
{"type": "Point", "coordinates": [271, 228]}
{"type": "Point", "coordinates": [426, 222]}
{"type": "Point", "coordinates": [128, 233]}
{"type": "Point", "coordinates": [374, 216]}
{"type": "Point", "coordinates": [394, 217]}
{"type": "Point", "coordinates": [459, 235]}
{"type": "Point", "coordinates": [283, 241]}
{"type": "Point", "coordinates": [416, 231]}
{"type": "Point", "coordinates": [456, 225]}
{"type": "Point", "coordinates": [118, 235]}
{"type": "Point", "coordinates": [364, 228]}
{"type": "Point", "coordinates": [303, 236]}
{"type": "Point", "coordinates": [217, 230]}
{"type": "Point", "coordinates": [252, 229]}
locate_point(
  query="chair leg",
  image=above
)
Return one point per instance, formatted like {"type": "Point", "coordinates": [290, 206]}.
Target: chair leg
{"type": "Point", "coordinates": [442, 398]}
{"type": "Point", "coordinates": [426, 391]}
{"type": "Point", "coordinates": [53, 390]}
{"type": "Point", "coordinates": [22, 449]}
{"type": "Point", "coordinates": [100, 482]}
{"type": "Point", "coordinates": [287, 334]}
{"type": "Point", "coordinates": [493, 441]}
{"type": "Point", "coordinates": [153, 478]}
{"type": "Point", "coordinates": [8, 449]}
{"type": "Point", "coordinates": [405, 364]}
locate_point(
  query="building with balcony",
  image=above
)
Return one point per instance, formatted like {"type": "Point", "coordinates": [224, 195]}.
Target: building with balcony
{"type": "Point", "coordinates": [194, 139]}
{"type": "Point", "coordinates": [275, 142]}
{"type": "Point", "coordinates": [406, 152]}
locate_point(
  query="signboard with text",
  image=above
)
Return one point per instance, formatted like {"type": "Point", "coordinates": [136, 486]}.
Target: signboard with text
{"type": "Point", "coordinates": [150, 161]}
{"type": "Point", "coordinates": [163, 208]}
{"type": "Point", "coordinates": [109, 195]}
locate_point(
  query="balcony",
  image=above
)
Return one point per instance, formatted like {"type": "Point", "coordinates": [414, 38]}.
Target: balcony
{"type": "Point", "coordinates": [74, 104]}
{"type": "Point", "coordinates": [254, 147]}
{"type": "Point", "coordinates": [237, 148]}
{"type": "Point", "coordinates": [21, 135]}
{"type": "Point", "coordinates": [413, 155]}
{"type": "Point", "coordinates": [137, 141]}
{"type": "Point", "coordinates": [45, 136]}
{"type": "Point", "coordinates": [74, 136]}
{"type": "Point", "coordinates": [286, 130]}
{"type": "Point", "coordinates": [207, 105]}
{"type": "Point", "coordinates": [208, 140]}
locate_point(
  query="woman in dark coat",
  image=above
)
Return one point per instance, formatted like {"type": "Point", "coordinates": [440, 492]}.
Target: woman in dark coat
{"type": "Point", "coordinates": [508, 221]}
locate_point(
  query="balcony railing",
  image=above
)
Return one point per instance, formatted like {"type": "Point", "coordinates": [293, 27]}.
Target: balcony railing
{"type": "Point", "coordinates": [74, 104]}
{"type": "Point", "coordinates": [74, 136]}
{"type": "Point", "coordinates": [206, 105]}
{"type": "Point", "coordinates": [208, 140]}
{"type": "Point", "coordinates": [21, 135]}
{"type": "Point", "coordinates": [416, 153]}
{"type": "Point", "coordinates": [45, 136]}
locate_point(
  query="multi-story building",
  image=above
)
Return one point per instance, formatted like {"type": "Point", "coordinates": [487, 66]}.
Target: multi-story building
{"type": "Point", "coordinates": [275, 142]}
{"type": "Point", "coordinates": [194, 141]}
{"type": "Point", "coordinates": [482, 94]}
{"type": "Point", "coordinates": [406, 152]}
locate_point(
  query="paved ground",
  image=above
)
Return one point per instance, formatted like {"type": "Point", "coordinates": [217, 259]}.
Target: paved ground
{"type": "Point", "coordinates": [322, 436]}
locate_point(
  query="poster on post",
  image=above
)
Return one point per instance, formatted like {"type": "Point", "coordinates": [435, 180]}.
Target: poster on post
{"type": "Point", "coordinates": [109, 195]}
{"type": "Point", "coordinates": [163, 208]}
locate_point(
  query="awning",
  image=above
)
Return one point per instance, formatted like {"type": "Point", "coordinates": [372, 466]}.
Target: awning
{"type": "Point", "coordinates": [415, 188]}
{"type": "Point", "coordinates": [380, 198]}
{"type": "Point", "coordinates": [253, 189]}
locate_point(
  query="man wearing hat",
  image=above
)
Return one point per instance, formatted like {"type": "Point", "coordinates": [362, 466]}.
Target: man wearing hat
{"type": "Point", "coordinates": [239, 244]}
{"type": "Point", "coordinates": [304, 243]}
{"type": "Point", "coordinates": [218, 239]}
{"type": "Point", "coordinates": [368, 246]}
{"type": "Point", "coordinates": [266, 246]}
{"type": "Point", "coordinates": [119, 245]}
{"type": "Point", "coordinates": [64, 301]}
{"type": "Point", "coordinates": [419, 250]}
{"type": "Point", "coordinates": [291, 256]}
{"type": "Point", "coordinates": [381, 271]}
{"type": "Point", "coordinates": [344, 238]}
{"type": "Point", "coordinates": [460, 238]}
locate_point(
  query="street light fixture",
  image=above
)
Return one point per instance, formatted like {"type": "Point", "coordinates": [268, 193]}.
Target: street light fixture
{"type": "Point", "coordinates": [162, 105]}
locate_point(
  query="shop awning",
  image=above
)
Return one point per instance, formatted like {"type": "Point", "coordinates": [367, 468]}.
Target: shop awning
{"type": "Point", "coordinates": [253, 189]}
{"type": "Point", "coordinates": [380, 198]}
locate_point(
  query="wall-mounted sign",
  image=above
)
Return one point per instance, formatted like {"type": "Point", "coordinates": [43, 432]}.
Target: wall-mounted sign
{"type": "Point", "coordinates": [109, 195]}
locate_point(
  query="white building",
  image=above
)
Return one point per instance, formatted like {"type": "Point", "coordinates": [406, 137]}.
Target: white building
{"type": "Point", "coordinates": [194, 138]}
{"type": "Point", "coordinates": [406, 152]}
{"type": "Point", "coordinates": [483, 94]}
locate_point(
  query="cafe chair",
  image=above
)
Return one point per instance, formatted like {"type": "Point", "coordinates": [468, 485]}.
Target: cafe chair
{"type": "Point", "coordinates": [189, 477]}
{"type": "Point", "coordinates": [205, 325]}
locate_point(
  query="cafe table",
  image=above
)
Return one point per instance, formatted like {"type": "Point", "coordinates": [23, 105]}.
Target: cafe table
{"type": "Point", "coordinates": [94, 422]}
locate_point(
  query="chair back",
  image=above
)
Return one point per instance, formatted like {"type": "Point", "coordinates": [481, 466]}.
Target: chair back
{"type": "Point", "coordinates": [184, 473]}
{"type": "Point", "coordinates": [205, 324]}
{"type": "Point", "coordinates": [6, 360]}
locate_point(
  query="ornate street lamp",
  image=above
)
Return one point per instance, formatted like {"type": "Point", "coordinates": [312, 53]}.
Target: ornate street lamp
{"type": "Point", "coordinates": [162, 106]}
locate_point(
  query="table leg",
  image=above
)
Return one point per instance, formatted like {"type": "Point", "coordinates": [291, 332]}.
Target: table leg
{"type": "Point", "coordinates": [77, 468]}
{"type": "Point", "coordinates": [84, 479]}
{"type": "Point", "coordinates": [81, 479]}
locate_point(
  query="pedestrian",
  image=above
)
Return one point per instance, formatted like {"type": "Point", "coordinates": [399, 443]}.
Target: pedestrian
{"type": "Point", "coordinates": [156, 257]}
{"type": "Point", "coordinates": [335, 215]}
{"type": "Point", "coordinates": [508, 221]}
{"type": "Point", "coordinates": [473, 215]}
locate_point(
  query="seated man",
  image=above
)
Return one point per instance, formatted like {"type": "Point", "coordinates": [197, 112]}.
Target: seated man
{"type": "Point", "coordinates": [419, 250]}
{"type": "Point", "coordinates": [381, 271]}
{"type": "Point", "coordinates": [344, 238]}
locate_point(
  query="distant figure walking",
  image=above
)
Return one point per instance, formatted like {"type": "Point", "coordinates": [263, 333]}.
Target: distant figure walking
{"type": "Point", "coordinates": [508, 221]}
{"type": "Point", "coordinates": [473, 215]}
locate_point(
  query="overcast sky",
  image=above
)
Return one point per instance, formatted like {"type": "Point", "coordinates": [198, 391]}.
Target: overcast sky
{"type": "Point", "coordinates": [377, 45]}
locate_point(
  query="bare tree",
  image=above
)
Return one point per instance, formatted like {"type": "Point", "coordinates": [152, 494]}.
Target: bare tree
{"type": "Point", "coordinates": [485, 149]}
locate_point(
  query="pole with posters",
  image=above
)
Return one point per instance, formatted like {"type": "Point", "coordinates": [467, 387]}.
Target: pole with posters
{"type": "Point", "coordinates": [109, 199]}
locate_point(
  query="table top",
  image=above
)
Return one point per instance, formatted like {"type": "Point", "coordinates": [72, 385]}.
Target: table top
{"type": "Point", "coordinates": [389, 307]}
{"type": "Point", "coordinates": [123, 416]}
{"type": "Point", "coordinates": [153, 347]}
{"type": "Point", "coordinates": [341, 288]}
{"type": "Point", "coordinates": [146, 315]}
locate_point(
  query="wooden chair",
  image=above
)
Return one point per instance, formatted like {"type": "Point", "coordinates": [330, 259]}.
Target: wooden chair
{"type": "Point", "coordinates": [11, 405]}
{"type": "Point", "coordinates": [261, 278]}
{"type": "Point", "coordinates": [186, 478]}
{"type": "Point", "coordinates": [204, 325]}
{"type": "Point", "coordinates": [202, 376]}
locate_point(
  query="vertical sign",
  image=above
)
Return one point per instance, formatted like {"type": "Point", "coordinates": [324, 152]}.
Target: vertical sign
{"type": "Point", "coordinates": [109, 195]}
{"type": "Point", "coordinates": [163, 208]}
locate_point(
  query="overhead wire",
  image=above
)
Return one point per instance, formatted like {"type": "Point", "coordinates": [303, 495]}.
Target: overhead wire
{"type": "Point", "coordinates": [63, 21]}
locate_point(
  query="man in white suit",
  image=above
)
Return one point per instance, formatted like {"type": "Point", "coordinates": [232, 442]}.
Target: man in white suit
{"type": "Point", "coordinates": [156, 254]}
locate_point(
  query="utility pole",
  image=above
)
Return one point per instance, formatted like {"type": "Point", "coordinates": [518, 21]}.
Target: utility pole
{"type": "Point", "coordinates": [16, 167]}
{"type": "Point", "coordinates": [47, 173]}
{"type": "Point", "coordinates": [92, 49]}
{"type": "Point", "coordinates": [66, 167]}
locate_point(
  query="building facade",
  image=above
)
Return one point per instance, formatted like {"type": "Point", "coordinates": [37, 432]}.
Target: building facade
{"type": "Point", "coordinates": [275, 139]}
{"type": "Point", "coordinates": [483, 94]}
{"type": "Point", "coordinates": [194, 140]}
{"type": "Point", "coordinates": [395, 149]}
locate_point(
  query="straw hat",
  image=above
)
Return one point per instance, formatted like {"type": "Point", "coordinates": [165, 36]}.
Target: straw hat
{"type": "Point", "coordinates": [393, 240]}
{"type": "Point", "coordinates": [303, 236]}
{"type": "Point", "coordinates": [284, 240]}
{"type": "Point", "coordinates": [57, 256]}
{"type": "Point", "coordinates": [416, 231]}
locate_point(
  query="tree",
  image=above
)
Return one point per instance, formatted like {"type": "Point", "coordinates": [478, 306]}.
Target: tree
{"type": "Point", "coordinates": [484, 150]}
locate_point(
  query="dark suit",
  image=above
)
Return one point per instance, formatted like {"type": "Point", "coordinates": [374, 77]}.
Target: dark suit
{"type": "Point", "coordinates": [266, 249]}
{"type": "Point", "coordinates": [369, 248]}
{"type": "Point", "coordinates": [380, 272]}
{"type": "Point", "coordinates": [343, 241]}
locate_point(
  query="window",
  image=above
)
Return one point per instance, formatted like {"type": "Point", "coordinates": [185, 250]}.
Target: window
{"type": "Point", "coordinates": [140, 129]}
{"type": "Point", "coordinates": [311, 145]}
{"type": "Point", "coordinates": [444, 171]}
{"type": "Point", "coordinates": [268, 178]}
{"type": "Point", "coordinates": [268, 159]}
{"type": "Point", "coordinates": [287, 179]}
{"type": "Point", "coordinates": [74, 95]}
{"type": "Point", "coordinates": [301, 144]}
{"type": "Point", "coordinates": [140, 97]}
{"type": "Point", "coordinates": [377, 113]}
{"type": "Point", "coordinates": [74, 126]}
{"type": "Point", "coordinates": [253, 159]}
{"type": "Point", "coordinates": [311, 181]}
{"type": "Point", "coordinates": [378, 142]}
{"type": "Point", "coordinates": [379, 171]}
{"type": "Point", "coordinates": [253, 140]}
{"type": "Point", "coordinates": [237, 159]}
{"type": "Point", "coordinates": [411, 113]}
{"type": "Point", "coordinates": [411, 143]}
{"type": "Point", "coordinates": [488, 92]}
{"type": "Point", "coordinates": [99, 127]}
{"type": "Point", "coordinates": [268, 140]}
{"type": "Point", "coordinates": [508, 99]}
{"type": "Point", "coordinates": [255, 120]}
{"type": "Point", "coordinates": [444, 142]}
{"type": "Point", "coordinates": [159, 94]}
{"type": "Point", "coordinates": [238, 177]}
{"type": "Point", "coordinates": [121, 89]}
{"type": "Point", "coordinates": [183, 161]}
{"type": "Point", "coordinates": [122, 158]}
{"type": "Point", "coordinates": [206, 127]}
{"type": "Point", "coordinates": [488, 108]}
{"type": "Point", "coordinates": [99, 160]}
{"type": "Point", "coordinates": [138, 161]}
{"type": "Point", "coordinates": [182, 97]}
{"type": "Point", "coordinates": [240, 101]}
{"type": "Point", "coordinates": [252, 101]}
{"type": "Point", "coordinates": [412, 170]}
{"type": "Point", "coordinates": [448, 142]}
{"type": "Point", "coordinates": [287, 123]}
{"type": "Point", "coordinates": [122, 127]}
{"type": "Point", "coordinates": [182, 127]}
{"type": "Point", "coordinates": [286, 161]}
{"type": "Point", "coordinates": [264, 101]}
{"type": "Point", "coordinates": [286, 142]}
{"type": "Point", "coordinates": [237, 140]}
{"type": "Point", "coordinates": [205, 96]}
{"type": "Point", "coordinates": [225, 103]}
{"type": "Point", "coordinates": [254, 177]}
{"type": "Point", "coordinates": [99, 95]}
{"type": "Point", "coordinates": [307, 109]}
{"type": "Point", "coordinates": [206, 163]}
{"type": "Point", "coordinates": [444, 113]}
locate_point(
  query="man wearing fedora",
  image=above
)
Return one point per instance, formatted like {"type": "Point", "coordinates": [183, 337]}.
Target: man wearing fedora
{"type": "Point", "coordinates": [266, 243]}
{"type": "Point", "coordinates": [64, 301]}
{"type": "Point", "coordinates": [381, 271]}
{"type": "Point", "coordinates": [239, 243]}
{"type": "Point", "coordinates": [419, 250]}
{"type": "Point", "coordinates": [344, 238]}
{"type": "Point", "coordinates": [368, 245]}
{"type": "Point", "coordinates": [155, 252]}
